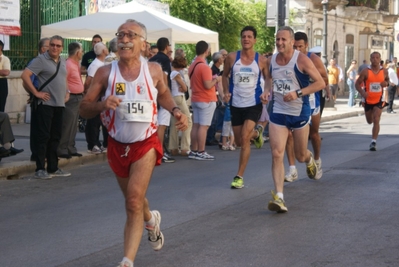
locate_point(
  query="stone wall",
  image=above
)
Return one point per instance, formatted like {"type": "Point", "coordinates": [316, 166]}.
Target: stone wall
{"type": "Point", "coordinates": [17, 97]}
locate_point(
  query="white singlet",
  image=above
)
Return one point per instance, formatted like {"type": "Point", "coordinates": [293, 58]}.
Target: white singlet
{"type": "Point", "coordinates": [135, 119]}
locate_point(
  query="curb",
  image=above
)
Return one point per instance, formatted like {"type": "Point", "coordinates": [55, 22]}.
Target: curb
{"type": "Point", "coordinates": [17, 170]}
{"type": "Point", "coordinates": [342, 116]}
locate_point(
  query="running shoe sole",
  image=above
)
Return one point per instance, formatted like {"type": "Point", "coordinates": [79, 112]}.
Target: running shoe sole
{"type": "Point", "coordinates": [276, 207]}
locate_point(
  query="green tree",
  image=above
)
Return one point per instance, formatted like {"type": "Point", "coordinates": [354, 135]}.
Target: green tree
{"type": "Point", "coordinates": [227, 17]}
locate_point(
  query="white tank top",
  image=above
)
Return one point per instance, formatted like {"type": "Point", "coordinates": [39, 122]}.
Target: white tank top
{"type": "Point", "coordinates": [245, 79]}
{"type": "Point", "coordinates": [135, 119]}
{"type": "Point", "coordinates": [285, 81]}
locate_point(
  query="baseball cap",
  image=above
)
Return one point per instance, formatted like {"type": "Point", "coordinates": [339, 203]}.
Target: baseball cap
{"type": "Point", "coordinates": [316, 49]}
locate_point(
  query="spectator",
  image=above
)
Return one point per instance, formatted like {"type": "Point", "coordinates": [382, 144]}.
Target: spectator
{"type": "Point", "coordinates": [178, 89]}
{"type": "Point", "coordinates": [113, 52]}
{"type": "Point", "coordinates": [333, 78]}
{"type": "Point", "coordinates": [90, 56]}
{"type": "Point", "coordinates": [393, 83]}
{"type": "Point", "coordinates": [179, 52]}
{"type": "Point", "coordinates": [217, 120]}
{"type": "Point", "coordinates": [154, 51]}
{"type": "Point", "coordinates": [7, 137]}
{"type": "Point", "coordinates": [169, 53]}
{"type": "Point", "coordinates": [5, 68]}
{"type": "Point", "coordinates": [44, 45]}
{"type": "Point", "coordinates": [397, 72]}
{"type": "Point", "coordinates": [147, 52]}
{"type": "Point", "coordinates": [363, 66]}
{"type": "Point", "coordinates": [203, 101]}
{"type": "Point", "coordinates": [340, 76]}
{"type": "Point", "coordinates": [163, 59]}
{"type": "Point", "coordinates": [50, 106]}
{"type": "Point", "coordinates": [227, 132]}
{"type": "Point", "coordinates": [93, 125]}
{"type": "Point", "coordinates": [352, 74]}
{"type": "Point", "coordinates": [67, 148]}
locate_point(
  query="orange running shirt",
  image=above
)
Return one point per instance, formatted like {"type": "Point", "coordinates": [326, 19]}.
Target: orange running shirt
{"type": "Point", "coordinates": [373, 86]}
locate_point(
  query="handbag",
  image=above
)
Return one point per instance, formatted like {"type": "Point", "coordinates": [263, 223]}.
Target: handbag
{"type": "Point", "coordinates": [186, 95]}
{"type": "Point", "coordinates": [33, 100]}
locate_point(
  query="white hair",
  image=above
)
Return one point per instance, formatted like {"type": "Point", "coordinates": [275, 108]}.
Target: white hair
{"type": "Point", "coordinates": [99, 48]}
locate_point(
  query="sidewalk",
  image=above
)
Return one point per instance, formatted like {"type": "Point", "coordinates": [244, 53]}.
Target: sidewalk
{"type": "Point", "coordinates": [20, 165]}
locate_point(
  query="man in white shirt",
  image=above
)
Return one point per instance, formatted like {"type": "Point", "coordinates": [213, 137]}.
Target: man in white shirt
{"type": "Point", "coordinates": [92, 131]}
{"type": "Point", "coordinates": [5, 68]}
{"type": "Point", "coordinates": [393, 82]}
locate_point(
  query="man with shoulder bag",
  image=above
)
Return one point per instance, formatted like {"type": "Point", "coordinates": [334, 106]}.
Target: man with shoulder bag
{"type": "Point", "coordinates": [51, 96]}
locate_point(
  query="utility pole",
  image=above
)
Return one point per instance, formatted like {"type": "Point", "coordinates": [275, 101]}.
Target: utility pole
{"type": "Point", "coordinates": [325, 7]}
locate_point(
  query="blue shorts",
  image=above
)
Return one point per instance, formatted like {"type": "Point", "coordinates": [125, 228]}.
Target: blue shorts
{"type": "Point", "coordinates": [289, 121]}
{"type": "Point", "coordinates": [315, 111]}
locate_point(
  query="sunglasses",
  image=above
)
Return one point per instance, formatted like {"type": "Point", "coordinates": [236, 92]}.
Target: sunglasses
{"type": "Point", "coordinates": [56, 45]}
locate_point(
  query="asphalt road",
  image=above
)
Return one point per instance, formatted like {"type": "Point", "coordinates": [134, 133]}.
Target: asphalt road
{"type": "Point", "coordinates": [348, 218]}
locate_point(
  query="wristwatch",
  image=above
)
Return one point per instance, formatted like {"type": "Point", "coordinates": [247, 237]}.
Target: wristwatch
{"type": "Point", "coordinates": [173, 109]}
{"type": "Point", "coordinates": [299, 93]}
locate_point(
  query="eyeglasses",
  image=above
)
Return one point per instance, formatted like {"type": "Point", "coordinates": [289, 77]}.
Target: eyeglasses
{"type": "Point", "coordinates": [56, 45]}
{"type": "Point", "coordinates": [130, 35]}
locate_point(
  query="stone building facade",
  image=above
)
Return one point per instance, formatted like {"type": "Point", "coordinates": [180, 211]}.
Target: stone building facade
{"type": "Point", "coordinates": [353, 32]}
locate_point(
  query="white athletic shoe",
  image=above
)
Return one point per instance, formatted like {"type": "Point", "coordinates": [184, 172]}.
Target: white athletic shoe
{"type": "Point", "coordinates": [319, 173]}
{"type": "Point", "coordinates": [155, 236]}
{"type": "Point", "coordinates": [291, 175]}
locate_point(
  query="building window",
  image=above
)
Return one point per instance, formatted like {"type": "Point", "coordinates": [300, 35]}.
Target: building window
{"type": "Point", "coordinates": [318, 37]}
{"type": "Point", "coordinates": [350, 39]}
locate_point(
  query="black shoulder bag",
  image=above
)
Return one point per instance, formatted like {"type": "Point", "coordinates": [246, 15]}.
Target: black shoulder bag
{"type": "Point", "coordinates": [186, 94]}
{"type": "Point", "coordinates": [34, 100]}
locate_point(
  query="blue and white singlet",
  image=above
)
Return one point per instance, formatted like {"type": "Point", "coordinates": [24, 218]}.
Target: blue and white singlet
{"type": "Point", "coordinates": [314, 98]}
{"type": "Point", "coordinates": [286, 79]}
{"type": "Point", "coordinates": [244, 84]}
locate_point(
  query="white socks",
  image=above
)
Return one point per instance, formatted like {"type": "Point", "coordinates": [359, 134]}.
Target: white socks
{"type": "Point", "coordinates": [280, 195]}
{"type": "Point", "coordinates": [126, 260]}
{"type": "Point", "coordinates": [151, 222]}
{"type": "Point", "coordinates": [292, 168]}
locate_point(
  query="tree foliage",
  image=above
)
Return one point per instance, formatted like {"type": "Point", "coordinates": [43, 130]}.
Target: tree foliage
{"type": "Point", "coordinates": [227, 17]}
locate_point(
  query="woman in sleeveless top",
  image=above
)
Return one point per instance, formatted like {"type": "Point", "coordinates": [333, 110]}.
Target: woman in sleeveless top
{"type": "Point", "coordinates": [352, 73]}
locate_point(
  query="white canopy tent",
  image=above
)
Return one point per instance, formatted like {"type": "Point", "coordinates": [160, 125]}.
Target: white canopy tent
{"type": "Point", "coordinates": [107, 22]}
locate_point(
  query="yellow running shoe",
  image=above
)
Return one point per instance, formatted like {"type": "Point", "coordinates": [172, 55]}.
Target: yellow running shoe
{"type": "Point", "coordinates": [237, 183]}
{"type": "Point", "coordinates": [311, 167]}
{"type": "Point", "coordinates": [277, 204]}
{"type": "Point", "coordinates": [258, 141]}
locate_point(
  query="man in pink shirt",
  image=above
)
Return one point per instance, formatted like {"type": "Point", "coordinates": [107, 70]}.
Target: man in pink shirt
{"type": "Point", "coordinates": [66, 148]}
